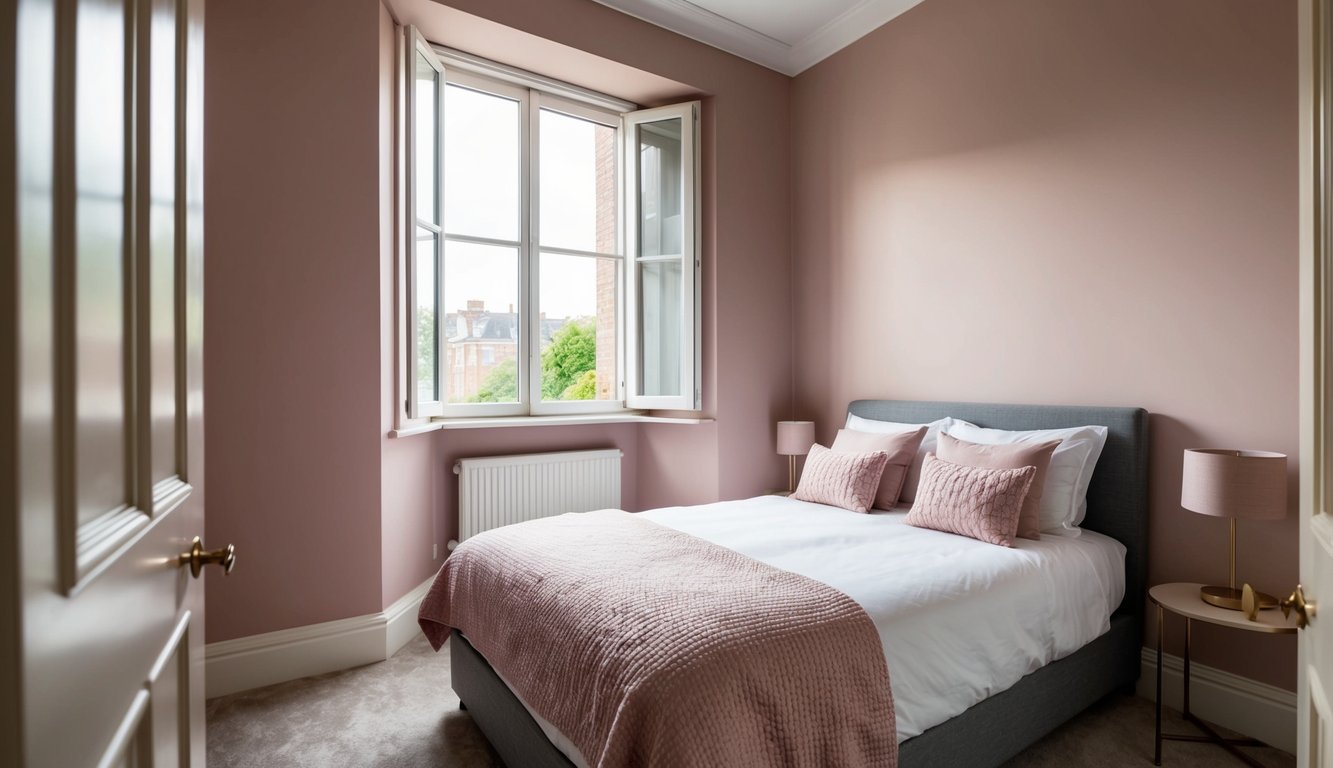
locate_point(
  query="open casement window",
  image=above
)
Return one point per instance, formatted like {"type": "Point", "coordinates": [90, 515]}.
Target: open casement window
{"type": "Point", "coordinates": [662, 162]}
{"type": "Point", "coordinates": [423, 211]}
{"type": "Point", "coordinates": [551, 260]}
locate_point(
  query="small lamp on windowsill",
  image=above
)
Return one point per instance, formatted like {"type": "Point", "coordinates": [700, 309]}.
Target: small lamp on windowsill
{"type": "Point", "coordinates": [794, 439]}
{"type": "Point", "coordinates": [1234, 484]}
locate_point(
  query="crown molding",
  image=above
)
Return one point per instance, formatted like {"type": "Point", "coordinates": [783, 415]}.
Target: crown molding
{"type": "Point", "coordinates": [698, 23]}
{"type": "Point", "coordinates": [852, 25]}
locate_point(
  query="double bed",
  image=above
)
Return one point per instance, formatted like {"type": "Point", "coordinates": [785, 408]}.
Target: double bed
{"type": "Point", "coordinates": [988, 648]}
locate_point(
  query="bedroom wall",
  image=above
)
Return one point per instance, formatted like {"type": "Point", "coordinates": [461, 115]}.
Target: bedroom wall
{"type": "Point", "coordinates": [291, 318]}
{"type": "Point", "coordinates": [1041, 201]}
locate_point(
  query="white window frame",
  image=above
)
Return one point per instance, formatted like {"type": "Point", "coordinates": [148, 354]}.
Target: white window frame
{"type": "Point", "coordinates": [526, 287]}
{"type": "Point", "coordinates": [535, 93]}
{"type": "Point", "coordinates": [544, 101]}
{"type": "Point", "coordinates": [690, 397]}
{"type": "Point", "coordinates": [413, 407]}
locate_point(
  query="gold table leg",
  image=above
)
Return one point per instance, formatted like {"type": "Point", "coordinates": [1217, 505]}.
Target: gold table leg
{"type": "Point", "coordinates": [1210, 735]}
{"type": "Point", "coordinates": [1157, 748]}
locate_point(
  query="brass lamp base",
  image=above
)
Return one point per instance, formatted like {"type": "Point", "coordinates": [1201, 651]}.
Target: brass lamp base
{"type": "Point", "coordinates": [1230, 598]}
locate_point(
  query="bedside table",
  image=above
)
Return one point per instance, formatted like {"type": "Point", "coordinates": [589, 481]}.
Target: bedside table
{"type": "Point", "coordinates": [1183, 600]}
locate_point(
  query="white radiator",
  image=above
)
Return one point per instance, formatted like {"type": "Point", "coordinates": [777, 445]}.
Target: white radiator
{"type": "Point", "coordinates": [499, 490]}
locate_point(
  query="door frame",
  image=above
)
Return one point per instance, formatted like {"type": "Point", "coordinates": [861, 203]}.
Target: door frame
{"type": "Point", "coordinates": [1315, 306]}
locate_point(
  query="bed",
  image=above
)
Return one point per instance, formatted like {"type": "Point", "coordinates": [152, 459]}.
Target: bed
{"type": "Point", "coordinates": [988, 732]}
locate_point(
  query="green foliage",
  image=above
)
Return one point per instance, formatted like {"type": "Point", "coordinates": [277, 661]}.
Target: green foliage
{"type": "Point", "coordinates": [584, 388]}
{"type": "Point", "coordinates": [500, 386]}
{"type": "Point", "coordinates": [569, 368]}
{"type": "Point", "coordinates": [566, 362]}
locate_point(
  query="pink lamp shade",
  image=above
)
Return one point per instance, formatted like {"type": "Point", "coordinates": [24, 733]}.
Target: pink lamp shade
{"type": "Point", "coordinates": [1243, 484]}
{"type": "Point", "coordinates": [795, 437]}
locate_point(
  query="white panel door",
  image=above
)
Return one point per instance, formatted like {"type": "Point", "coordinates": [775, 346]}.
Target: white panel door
{"type": "Point", "coordinates": [105, 335]}
{"type": "Point", "coordinates": [1315, 675]}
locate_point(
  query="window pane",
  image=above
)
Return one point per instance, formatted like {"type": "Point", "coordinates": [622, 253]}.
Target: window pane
{"type": "Point", "coordinates": [578, 327]}
{"type": "Point", "coordinates": [661, 228]}
{"type": "Point", "coordinates": [480, 299]}
{"type": "Point", "coordinates": [481, 183]}
{"type": "Point", "coordinates": [426, 138]}
{"type": "Point", "coordinates": [578, 184]}
{"type": "Point", "coordinates": [660, 323]}
{"type": "Point", "coordinates": [425, 287]}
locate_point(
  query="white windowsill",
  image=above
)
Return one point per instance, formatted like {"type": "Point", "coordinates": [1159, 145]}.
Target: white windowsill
{"type": "Point", "coordinates": [493, 422]}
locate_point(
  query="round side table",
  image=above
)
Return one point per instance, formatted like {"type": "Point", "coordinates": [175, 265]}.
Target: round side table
{"type": "Point", "coordinates": [1183, 600]}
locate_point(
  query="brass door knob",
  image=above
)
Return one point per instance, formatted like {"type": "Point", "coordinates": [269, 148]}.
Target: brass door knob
{"type": "Point", "coordinates": [1305, 610]}
{"type": "Point", "coordinates": [198, 558]}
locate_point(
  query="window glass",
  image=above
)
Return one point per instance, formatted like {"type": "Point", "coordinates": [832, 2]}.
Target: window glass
{"type": "Point", "coordinates": [661, 229]}
{"type": "Point", "coordinates": [578, 184]}
{"type": "Point", "coordinates": [481, 303]}
{"type": "Point", "coordinates": [579, 300]}
{"type": "Point", "coordinates": [426, 139]}
{"type": "Point", "coordinates": [660, 327]}
{"type": "Point", "coordinates": [425, 284]}
{"type": "Point", "coordinates": [661, 240]}
{"type": "Point", "coordinates": [481, 169]}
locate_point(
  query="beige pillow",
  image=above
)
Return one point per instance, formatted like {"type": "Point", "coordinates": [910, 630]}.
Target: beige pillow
{"type": "Point", "coordinates": [901, 449]}
{"type": "Point", "coordinates": [1007, 456]}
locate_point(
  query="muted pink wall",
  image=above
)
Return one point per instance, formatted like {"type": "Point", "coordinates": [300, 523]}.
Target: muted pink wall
{"type": "Point", "coordinates": [292, 344]}
{"type": "Point", "coordinates": [1050, 202]}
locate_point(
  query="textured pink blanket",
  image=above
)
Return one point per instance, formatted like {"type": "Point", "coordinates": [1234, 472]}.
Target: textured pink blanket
{"type": "Point", "coordinates": [646, 646]}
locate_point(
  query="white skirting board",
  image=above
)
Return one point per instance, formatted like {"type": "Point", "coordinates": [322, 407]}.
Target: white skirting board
{"type": "Point", "coordinates": [288, 654]}
{"type": "Point", "coordinates": [1258, 710]}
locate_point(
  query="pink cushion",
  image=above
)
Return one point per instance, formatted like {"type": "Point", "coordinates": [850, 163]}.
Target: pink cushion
{"type": "Point", "coordinates": [970, 501]}
{"type": "Point", "coordinates": [847, 480]}
{"type": "Point", "coordinates": [1008, 456]}
{"type": "Point", "coordinates": [901, 448]}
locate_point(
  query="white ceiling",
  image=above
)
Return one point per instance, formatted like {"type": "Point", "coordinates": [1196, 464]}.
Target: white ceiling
{"type": "Point", "coordinates": [789, 36]}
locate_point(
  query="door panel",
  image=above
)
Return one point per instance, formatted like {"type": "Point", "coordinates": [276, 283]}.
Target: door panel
{"type": "Point", "coordinates": [169, 693]}
{"type": "Point", "coordinates": [158, 220]}
{"type": "Point", "coordinates": [97, 312]}
{"type": "Point", "coordinates": [109, 348]}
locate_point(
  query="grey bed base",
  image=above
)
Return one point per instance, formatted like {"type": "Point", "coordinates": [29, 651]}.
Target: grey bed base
{"type": "Point", "coordinates": [1001, 726]}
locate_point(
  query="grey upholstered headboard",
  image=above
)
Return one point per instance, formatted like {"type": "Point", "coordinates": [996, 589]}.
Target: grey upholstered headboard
{"type": "Point", "coordinates": [1118, 495]}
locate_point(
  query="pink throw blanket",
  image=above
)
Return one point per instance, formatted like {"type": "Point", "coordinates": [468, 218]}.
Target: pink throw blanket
{"type": "Point", "coordinates": [646, 646]}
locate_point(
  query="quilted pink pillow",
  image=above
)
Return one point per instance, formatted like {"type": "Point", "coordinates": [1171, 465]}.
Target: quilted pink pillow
{"type": "Point", "coordinates": [981, 503]}
{"type": "Point", "coordinates": [901, 448]}
{"type": "Point", "coordinates": [847, 480]}
{"type": "Point", "coordinates": [1008, 456]}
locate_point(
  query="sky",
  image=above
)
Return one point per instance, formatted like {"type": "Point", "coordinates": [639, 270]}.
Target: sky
{"type": "Point", "coordinates": [482, 194]}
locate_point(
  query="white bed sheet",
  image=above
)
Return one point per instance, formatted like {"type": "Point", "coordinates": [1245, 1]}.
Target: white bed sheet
{"type": "Point", "coordinates": [960, 620]}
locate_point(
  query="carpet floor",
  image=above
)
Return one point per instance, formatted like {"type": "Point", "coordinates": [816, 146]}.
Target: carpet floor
{"type": "Point", "coordinates": [401, 713]}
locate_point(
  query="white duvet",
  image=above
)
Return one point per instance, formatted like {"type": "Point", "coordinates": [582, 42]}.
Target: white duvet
{"type": "Point", "coordinates": [960, 619]}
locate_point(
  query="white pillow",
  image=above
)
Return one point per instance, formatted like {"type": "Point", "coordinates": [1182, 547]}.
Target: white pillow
{"type": "Point", "coordinates": [1064, 500]}
{"type": "Point", "coordinates": [908, 493]}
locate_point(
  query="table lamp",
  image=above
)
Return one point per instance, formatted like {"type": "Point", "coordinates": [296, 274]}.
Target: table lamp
{"type": "Point", "coordinates": [1234, 484]}
{"type": "Point", "coordinates": [794, 439]}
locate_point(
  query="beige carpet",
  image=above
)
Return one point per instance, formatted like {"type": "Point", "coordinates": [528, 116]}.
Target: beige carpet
{"type": "Point", "coordinates": [402, 712]}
